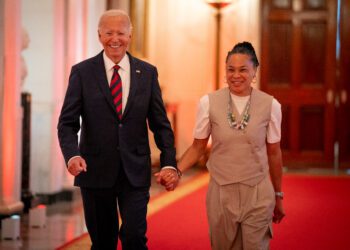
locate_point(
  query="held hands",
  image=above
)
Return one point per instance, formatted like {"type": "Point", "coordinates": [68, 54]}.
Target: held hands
{"type": "Point", "coordinates": [76, 166]}
{"type": "Point", "coordinates": [278, 212]}
{"type": "Point", "coordinates": [168, 178]}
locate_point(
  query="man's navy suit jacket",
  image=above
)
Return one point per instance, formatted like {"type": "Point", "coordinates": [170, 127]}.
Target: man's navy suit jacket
{"type": "Point", "coordinates": [106, 142]}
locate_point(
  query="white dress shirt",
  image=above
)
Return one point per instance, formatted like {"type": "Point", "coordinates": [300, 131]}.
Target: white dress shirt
{"type": "Point", "coordinates": [124, 73]}
{"type": "Point", "coordinates": [202, 127]}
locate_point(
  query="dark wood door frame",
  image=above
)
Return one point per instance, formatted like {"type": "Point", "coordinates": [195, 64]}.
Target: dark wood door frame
{"type": "Point", "coordinates": [299, 69]}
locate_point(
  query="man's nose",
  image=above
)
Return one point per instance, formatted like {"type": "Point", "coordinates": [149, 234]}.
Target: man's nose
{"type": "Point", "coordinates": [115, 37]}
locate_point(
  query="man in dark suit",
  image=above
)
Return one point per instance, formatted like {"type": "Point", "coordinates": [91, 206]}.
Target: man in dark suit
{"type": "Point", "coordinates": [111, 161]}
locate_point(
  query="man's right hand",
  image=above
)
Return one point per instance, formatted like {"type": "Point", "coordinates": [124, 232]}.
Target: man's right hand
{"type": "Point", "coordinates": [76, 166]}
{"type": "Point", "coordinates": [168, 178]}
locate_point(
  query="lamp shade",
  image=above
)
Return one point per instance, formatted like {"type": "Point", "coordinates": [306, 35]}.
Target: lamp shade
{"type": "Point", "coordinates": [219, 3]}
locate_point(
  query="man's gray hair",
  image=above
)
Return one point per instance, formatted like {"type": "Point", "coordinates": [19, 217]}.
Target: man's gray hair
{"type": "Point", "coordinates": [115, 13]}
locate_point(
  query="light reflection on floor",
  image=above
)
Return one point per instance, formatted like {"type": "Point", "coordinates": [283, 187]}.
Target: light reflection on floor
{"type": "Point", "coordinates": [64, 222]}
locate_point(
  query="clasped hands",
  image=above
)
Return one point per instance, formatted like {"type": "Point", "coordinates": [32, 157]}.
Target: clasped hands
{"type": "Point", "coordinates": [168, 177]}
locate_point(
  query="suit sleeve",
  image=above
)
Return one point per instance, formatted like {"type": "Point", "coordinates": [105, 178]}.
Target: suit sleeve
{"type": "Point", "coordinates": [160, 125]}
{"type": "Point", "coordinates": [69, 120]}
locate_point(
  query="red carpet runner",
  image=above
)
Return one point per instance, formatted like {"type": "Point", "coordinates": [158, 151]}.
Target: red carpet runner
{"type": "Point", "coordinates": [317, 211]}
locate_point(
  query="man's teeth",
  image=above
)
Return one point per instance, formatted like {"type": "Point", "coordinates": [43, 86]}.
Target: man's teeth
{"type": "Point", "coordinates": [115, 46]}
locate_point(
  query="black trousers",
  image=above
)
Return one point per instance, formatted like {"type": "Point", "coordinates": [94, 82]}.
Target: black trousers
{"type": "Point", "coordinates": [101, 215]}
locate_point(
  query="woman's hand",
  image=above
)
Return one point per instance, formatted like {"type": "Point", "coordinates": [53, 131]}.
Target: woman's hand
{"type": "Point", "coordinates": [168, 177]}
{"type": "Point", "coordinates": [278, 212]}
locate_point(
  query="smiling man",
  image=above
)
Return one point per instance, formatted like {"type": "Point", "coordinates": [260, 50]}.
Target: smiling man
{"type": "Point", "coordinates": [115, 95]}
{"type": "Point", "coordinates": [114, 32]}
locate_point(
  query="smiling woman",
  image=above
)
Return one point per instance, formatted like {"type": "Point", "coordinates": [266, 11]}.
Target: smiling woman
{"type": "Point", "coordinates": [245, 156]}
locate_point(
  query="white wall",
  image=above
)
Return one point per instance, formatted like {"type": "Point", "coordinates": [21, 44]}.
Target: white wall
{"type": "Point", "coordinates": [241, 22]}
{"type": "Point", "coordinates": [38, 19]}
{"type": "Point", "coordinates": [182, 46]}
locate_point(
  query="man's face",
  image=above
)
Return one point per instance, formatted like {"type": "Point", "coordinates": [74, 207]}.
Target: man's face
{"type": "Point", "coordinates": [115, 35]}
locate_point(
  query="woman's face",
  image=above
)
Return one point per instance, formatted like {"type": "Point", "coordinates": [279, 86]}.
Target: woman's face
{"type": "Point", "coordinates": [240, 72]}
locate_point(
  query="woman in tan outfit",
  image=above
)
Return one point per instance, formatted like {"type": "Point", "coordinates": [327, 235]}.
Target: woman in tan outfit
{"type": "Point", "coordinates": [245, 164]}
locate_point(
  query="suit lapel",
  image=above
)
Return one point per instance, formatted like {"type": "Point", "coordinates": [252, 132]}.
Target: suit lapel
{"type": "Point", "coordinates": [102, 81]}
{"type": "Point", "coordinates": [135, 75]}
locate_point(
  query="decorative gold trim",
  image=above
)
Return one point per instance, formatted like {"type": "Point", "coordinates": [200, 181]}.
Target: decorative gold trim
{"type": "Point", "coordinates": [158, 203]}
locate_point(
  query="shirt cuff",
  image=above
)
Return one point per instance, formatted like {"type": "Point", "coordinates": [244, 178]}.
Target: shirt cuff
{"type": "Point", "coordinates": [179, 173]}
{"type": "Point", "coordinates": [169, 167]}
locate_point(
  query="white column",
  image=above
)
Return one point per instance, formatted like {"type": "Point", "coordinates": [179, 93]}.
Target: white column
{"type": "Point", "coordinates": [38, 20]}
{"type": "Point", "coordinates": [58, 171]}
{"type": "Point", "coordinates": [10, 107]}
{"type": "Point", "coordinates": [61, 36]}
{"type": "Point", "coordinates": [94, 11]}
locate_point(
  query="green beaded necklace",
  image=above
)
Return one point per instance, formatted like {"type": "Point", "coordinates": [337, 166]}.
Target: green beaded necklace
{"type": "Point", "coordinates": [239, 125]}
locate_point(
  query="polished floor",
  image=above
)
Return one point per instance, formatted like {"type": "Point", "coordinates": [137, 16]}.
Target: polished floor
{"type": "Point", "coordinates": [65, 220]}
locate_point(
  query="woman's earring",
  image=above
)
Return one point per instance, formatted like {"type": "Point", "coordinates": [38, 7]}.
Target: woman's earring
{"type": "Point", "coordinates": [254, 80]}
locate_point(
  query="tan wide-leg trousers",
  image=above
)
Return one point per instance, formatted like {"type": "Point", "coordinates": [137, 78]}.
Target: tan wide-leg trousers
{"type": "Point", "coordinates": [240, 216]}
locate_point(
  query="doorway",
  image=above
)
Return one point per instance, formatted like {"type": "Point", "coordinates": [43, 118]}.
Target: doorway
{"type": "Point", "coordinates": [305, 50]}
